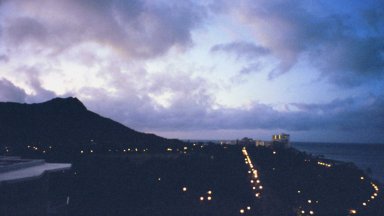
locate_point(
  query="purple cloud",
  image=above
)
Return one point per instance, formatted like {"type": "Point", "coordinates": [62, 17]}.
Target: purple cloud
{"type": "Point", "coordinates": [140, 29]}
{"type": "Point", "coordinates": [10, 92]}
{"type": "Point", "coordinates": [343, 49]}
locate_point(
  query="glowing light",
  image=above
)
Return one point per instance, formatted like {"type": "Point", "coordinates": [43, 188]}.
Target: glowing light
{"type": "Point", "coordinates": [209, 198]}
{"type": "Point", "coordinates": [311, 212]}
{"type": "Point", "coordinates": [209, 192]}
{"type": "Point", "coordinates": [248, 207]}
{"type": "Point", "coordinates": [184, 189]}
{"type": "Point", "coordinates": [241, 211]}
{"type": "Point", "coordinates": [362, 177]}
{"type": "Point", "coordinates": [353, 211]}
{"type": "Point", "coordinates": [364, 204]}
{"type": "Point", "coordinates": [81, 151]}
{"type": "Point", "coordinates": [309, 201]}
{"type": "Point", "coordinates": [201, 198]}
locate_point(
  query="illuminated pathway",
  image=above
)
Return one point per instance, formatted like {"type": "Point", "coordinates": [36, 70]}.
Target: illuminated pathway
{"type": "Point", "coordinates": [365, 203]}
{"type": "Point", "coordinates": [255, 181]}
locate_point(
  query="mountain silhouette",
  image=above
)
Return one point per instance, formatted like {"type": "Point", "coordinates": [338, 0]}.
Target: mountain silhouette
{"type": "Point", "coordinates": [65, 124]}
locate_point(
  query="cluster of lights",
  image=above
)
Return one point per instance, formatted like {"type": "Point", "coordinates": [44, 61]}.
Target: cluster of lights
{"type": "Point", "coordinates": [310, 212]}
{"type": "Point", "coordinates": [208, 196]}
{"type": "Point", "coordinates": [242, 211]}
{"type": "Point", "coordinates": [373, 196]}
{"type": "Point", "coordinates": [184, 151]}
{"type": "Point", "coordinates": [255, 181]}
{"type": "Point", "coordinates": [124, 150]}
{"type": "Point", "coordinates": [38, 149]}
{"type": "Point", "coordinates": [307, 210]}
{"type": "Point", "coordinates": [6, 148]}
{"type": "Point", "coordinates": [324, 164]}
{"type": "Point", "coordinates": [82, 151]}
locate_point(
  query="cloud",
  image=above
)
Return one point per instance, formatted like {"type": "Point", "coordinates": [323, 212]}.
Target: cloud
{"type": "Point", "coordinates": [343, 49]}
{"type": "Point", "coordinates": [22, 30]}
{"type": "Point", "coordinates": [114, 55]}
{"type": "Point", "coordinates": [247, 51]}
{"type": "Point", "coordinates": [351, 61]}
{"type": "Point", "coordinates": [139, 29]}
{"type": "Point", "coordinates": [10, 92]}
{"type": "Point", "coordinates": [240, 49]}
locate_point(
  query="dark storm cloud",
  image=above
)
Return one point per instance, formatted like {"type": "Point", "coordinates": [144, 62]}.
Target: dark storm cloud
{"type": "Point", "coordinates": [342, 48]}
{"type": "Point", "coordinates": [10, 92]}
{"type": "Point", "coordinates": [351, 61]}
{"type": "Point", "coordinates": [140, 29]}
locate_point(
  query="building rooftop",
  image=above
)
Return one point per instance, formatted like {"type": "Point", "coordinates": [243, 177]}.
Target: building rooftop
{"type": "Point", "coordinates": [14, 169]}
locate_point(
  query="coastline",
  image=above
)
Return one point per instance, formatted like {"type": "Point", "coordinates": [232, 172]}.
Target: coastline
{"type": "Point", "coordinates": [366, 157]}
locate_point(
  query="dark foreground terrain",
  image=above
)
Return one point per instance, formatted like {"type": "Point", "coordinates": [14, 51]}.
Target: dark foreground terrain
{"type": "Point", "coordinates": [195, 179]}
{"type": "Point", "coordinates": [218, 180]}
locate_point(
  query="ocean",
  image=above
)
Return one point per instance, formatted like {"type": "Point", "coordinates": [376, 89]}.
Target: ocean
{"type": "Point", "coordinates": [365, 156]}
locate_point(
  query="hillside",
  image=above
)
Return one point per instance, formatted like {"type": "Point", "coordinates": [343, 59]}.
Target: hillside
{"type": "Point", "coordinates": [66, 124]}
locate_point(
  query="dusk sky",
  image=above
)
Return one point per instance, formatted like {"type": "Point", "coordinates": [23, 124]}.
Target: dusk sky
{"type": "Point", "coordinates": [204, 69]}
